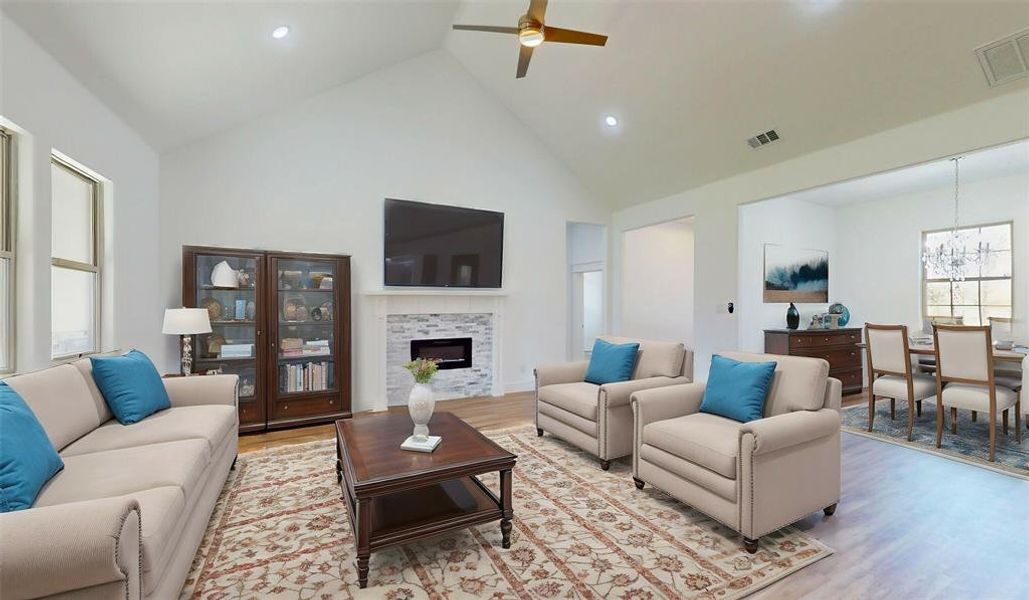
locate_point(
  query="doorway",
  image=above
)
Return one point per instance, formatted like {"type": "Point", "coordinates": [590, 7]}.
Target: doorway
{"type": "Point", "coordinates": [587, 254]}
{"type": "Point", "coordinates": [588, 311]}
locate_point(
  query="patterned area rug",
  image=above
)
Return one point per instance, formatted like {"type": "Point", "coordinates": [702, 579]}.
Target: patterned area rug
{"type": "Point", "coordinates": [971, 444]}
{"type": "Point", "coordinates": [280, 531]}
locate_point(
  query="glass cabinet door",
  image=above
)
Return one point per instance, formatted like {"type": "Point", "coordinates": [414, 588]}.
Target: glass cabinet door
{"type": "Point", "coordinates": [306, 312]}
{"type": "Point", "coordinates": [227, 286]}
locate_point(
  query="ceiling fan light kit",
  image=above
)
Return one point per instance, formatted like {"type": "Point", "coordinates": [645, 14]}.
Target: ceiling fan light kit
{"type": "Point", "coordinates": [532, 31]}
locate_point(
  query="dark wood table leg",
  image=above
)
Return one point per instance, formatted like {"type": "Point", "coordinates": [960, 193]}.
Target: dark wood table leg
{"type": "Point", "coordinates": [339, 462]}
{"type": "Point", "coordinates": [364, 522]}
{"type": "Point", "coordinates": [505, 508]}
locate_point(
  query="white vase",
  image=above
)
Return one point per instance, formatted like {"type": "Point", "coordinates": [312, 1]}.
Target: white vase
{"type": "Point", "coordinates": [420, 404]}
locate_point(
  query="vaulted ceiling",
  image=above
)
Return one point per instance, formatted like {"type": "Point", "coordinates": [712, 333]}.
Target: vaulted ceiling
{"type": "Point", "coordinates": [688, 81]}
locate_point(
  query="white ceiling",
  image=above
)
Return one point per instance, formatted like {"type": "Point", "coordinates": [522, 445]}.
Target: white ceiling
{"type": "Point", "coordinates": [179, 71]}
{"type": "Point", "coordinates": [1002, 161]}
{"type": "Point", "coordinates": [689, 81]}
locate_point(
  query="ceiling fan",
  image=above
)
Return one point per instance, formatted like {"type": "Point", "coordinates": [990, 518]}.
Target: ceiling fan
{"type": "Point", "coordinates": [532, 32]}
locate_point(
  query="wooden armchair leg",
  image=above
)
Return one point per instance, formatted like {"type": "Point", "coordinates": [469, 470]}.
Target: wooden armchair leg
{"type": "Point", "coordinates": [939, 423]}
{"type": "Point", "coordinates": [919, 405]}
{"type": "Point", "coordinates": [993, 436]}
{"type": "Point", "coordinates": [1018, 422]}
{"type": "Point", "coordinates": [975, 416]}
{"type": "Point", "coordinates": [871, 410]}
{"type": "Point", "coordinates": [605, 464]}
{"type": "Point", "coordinates": [953, 420]}
{"type": "Point", "coordinates": [750, 545]}
{"type": "Point", "coordinates": [893, 409]}
{"type": "Point", "coordinates": [911, 419]}
{"type": "Point", "coordinates": [1004, 417]}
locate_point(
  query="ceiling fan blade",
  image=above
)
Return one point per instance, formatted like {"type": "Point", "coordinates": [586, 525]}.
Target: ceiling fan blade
{"type": "Point", "coordinates": [487, 28]}
{"type": "Point", "coordinates": [537, 8]}
{"type": "Point", "coordinates": [571, 36]}
{"type": "Point", "coordinates": [524, 54]}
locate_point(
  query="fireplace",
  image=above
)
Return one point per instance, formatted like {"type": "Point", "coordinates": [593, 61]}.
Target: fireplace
{"type": "Point", "coordinates": [450, 353]}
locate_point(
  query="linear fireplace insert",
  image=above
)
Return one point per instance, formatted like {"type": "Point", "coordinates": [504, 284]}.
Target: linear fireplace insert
{"type": "Point", "coordinates": [450, 353]}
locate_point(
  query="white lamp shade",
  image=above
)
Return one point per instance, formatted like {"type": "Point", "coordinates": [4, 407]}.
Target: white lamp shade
{"type": "Point", "coordinates": [186, 321]}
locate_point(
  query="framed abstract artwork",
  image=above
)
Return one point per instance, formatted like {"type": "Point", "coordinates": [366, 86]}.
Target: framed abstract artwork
{"type": "Point", "coordinates": [795, 274]}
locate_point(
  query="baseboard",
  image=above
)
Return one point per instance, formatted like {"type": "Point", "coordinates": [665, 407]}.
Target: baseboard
{"type": "Point", "coordinates": [519, 386]}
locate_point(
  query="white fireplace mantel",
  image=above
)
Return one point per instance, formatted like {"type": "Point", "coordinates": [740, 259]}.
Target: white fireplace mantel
{"type": "Point", "coordinates": [415, 301]}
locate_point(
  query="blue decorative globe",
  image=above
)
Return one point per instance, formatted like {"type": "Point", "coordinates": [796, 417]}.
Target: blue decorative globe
{"type": "Point", "coordinates": [838, 309]}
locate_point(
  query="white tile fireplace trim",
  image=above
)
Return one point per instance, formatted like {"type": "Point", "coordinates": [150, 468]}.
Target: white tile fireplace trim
{"type": "Point", "coordinates": [419, 301]}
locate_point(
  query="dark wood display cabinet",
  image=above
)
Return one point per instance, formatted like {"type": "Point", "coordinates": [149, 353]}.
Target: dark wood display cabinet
{"type": "Point", "coordinates": [279, 320]}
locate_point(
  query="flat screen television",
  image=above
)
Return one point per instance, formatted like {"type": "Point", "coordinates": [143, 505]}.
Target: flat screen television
{"type": "Point", "coordinates": [433, 245]}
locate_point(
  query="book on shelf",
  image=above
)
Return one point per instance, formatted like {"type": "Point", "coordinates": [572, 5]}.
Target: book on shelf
{"type": "Point", "coordinates": [236, 350]}
{"type": "Point", "coordinates": [305, 377]}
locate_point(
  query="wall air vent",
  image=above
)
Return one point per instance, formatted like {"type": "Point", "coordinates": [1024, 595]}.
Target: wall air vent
{"type": "Point", "coordinates": [1006, 59]}
{"type": "Point", "coordinates": [763, 139]}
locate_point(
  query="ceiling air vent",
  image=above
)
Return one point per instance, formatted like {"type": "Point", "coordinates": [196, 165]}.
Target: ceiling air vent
{"type": "Point", "coordinates": [763, 139]}
{"type": "Point", "coordinates": [1006, 59]}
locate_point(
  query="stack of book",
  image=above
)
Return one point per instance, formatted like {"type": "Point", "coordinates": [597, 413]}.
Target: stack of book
{"type": "Point", "coordinates": [316, 348]}
{"type": "Point", "coordinates": [292, 346]}
{"type": "Point", "coordinates": [306, 377]}
{"type": "Point", "coordinates": [237, 350]}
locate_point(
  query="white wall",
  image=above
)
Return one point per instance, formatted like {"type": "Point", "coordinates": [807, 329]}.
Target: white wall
{"type": "Point", "coordinates": [714, 206]}
{"type": "Point", "coordinates": [313, 177]}
{"type": "Point", "coordinates": [788, 222]}
{"type": "Point", "coordinates": [53, 111]}
{"type": "Point", "coordinates": [657, 284]}
{"type": "Point", "coordinates": [879, 246]}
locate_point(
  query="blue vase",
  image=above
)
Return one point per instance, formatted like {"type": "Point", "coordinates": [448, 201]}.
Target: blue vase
{"type": "Point", "coordinates": [838, 309]}
{"type": "Point", "coordinates": [792, 317]}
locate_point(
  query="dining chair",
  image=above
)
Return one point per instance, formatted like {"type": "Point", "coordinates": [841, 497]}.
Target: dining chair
{"type": "Point", "coordinates": [890, 374]}
{"type": "Point", "coordinates": [1003, 329]}
{"type": "Point", "coordinates": [927, 364]}
{"type": "Point", "coordinates": [965, 380]}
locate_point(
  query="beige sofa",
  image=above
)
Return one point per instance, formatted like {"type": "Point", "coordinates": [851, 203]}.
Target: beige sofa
{"type": "Point", "coordinates": [123, 520]}
{"type": "Point", "coordinates": [754, 477]}
{"type": "Point", "coordinates": [597, 418]}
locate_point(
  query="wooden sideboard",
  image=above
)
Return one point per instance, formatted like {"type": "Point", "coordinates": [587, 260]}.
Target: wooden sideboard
{"type": "Point", "coordinates": [838, 346]}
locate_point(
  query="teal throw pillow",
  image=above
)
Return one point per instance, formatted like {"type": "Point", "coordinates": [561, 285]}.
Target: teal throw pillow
{"type": "Point", "coordinates": [610, 363]}
{"type": "Point", "coordinates": [27, 458]}
{"type": "Point", "coordinates": [131, 386]}
{"type": "Point", "coordinates": [737, 390]}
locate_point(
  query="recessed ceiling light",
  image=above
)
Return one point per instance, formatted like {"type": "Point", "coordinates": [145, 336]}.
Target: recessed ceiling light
{"type": "Point", "coordinates": [280, 32]}
{"type": "Point", "coordinates": [611, 121]}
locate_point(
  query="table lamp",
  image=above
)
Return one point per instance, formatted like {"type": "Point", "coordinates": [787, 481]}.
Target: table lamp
{"type": "Point", "coordinates": [186, 322]}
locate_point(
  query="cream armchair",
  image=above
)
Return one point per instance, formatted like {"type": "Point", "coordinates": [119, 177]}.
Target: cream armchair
{"type": "Point", "coordinates": [597, 418]}
{"type": "Point", "coordinates": [754, 477]}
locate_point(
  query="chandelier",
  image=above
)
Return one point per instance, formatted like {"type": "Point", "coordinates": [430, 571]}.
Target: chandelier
{"type": "Point", "coordinates": [960, 252]}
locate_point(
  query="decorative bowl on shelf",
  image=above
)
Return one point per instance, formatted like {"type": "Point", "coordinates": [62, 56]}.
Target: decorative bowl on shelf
{"type": "Point", "coordinates": [317, 277]}
{"type": "Point", "coordinates": [224, 276]}
{"type": "Point", "coordinates": [214, 308]}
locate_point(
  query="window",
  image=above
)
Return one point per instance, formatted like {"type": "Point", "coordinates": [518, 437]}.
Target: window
{"type": "Point", "coordinates": [7, 248]}
{"type": "Point", "coordinates": [75, 261]}
{"type": "Point", "coordinates": [985, 292]}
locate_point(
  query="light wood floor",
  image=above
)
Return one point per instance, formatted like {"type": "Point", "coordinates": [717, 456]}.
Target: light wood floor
{"type": "Point", "coordinates": [484, 413]}
{"type": "Point", "coordinates": [910, 525]}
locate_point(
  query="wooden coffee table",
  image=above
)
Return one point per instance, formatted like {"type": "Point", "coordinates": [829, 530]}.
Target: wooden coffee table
{"type": "Point", "coordinates": [394, 496]}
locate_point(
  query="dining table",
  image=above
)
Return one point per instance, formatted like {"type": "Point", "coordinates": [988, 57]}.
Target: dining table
{"type": "Point", "coordinates": [1015, 354]}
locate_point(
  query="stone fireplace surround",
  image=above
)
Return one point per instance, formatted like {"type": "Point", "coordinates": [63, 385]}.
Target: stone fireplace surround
{"type": "Point", "coordinates": [401, 315]}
